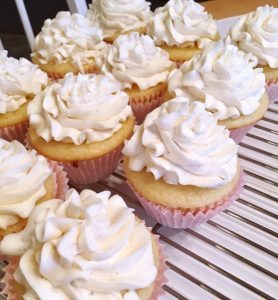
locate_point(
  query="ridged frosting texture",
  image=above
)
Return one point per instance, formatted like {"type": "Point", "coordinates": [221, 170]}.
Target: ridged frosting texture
{"type": "Point", "coordinates": [222, 76]}
{"type": "Point", "coordinates": [19, 79]}
{"type": "Point", "coordinates": [182, 143]}
{"type": "Point", "coordinates": [22, 178]}
{"type": "Point", "coordinates": [115, 16]}
{"type": "Point", "coordinates": [69, 38]}
{"type": "Point", "coordinates": [257, 32]}
{"type": "Point", "coordinates": [90, 246]}
{"type": "Point", "coordinates": [79, 109]}
{"type": "Point", "coordinates": [182, 23]}
{"type": "Point", "coordinates": [134, 59]}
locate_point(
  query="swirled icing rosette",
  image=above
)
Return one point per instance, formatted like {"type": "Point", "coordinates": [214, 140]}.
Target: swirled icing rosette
{"type": "Point", "coordinates": [257, 33]}
{"type": "Point", "coordinates": [119, 16]}
{"type": "Point", "coordinates": [90, 246]}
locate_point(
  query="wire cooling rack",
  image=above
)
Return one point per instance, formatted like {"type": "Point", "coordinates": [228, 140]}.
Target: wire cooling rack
{"type": "Point", "coordinates": [235, 254]}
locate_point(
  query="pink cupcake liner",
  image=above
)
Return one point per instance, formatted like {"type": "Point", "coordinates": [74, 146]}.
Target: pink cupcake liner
{"type": "Point", "coordinates": [238, 134]}
{"type": "Point", "coordinates": [142, 108]}
{"type": "Point", "coordinates": [15, 132]}
{"type": "Point", "coordinates": [176, 218]}
{"type": "Point", "coordinates": [272, 90]}
{"type": "Point", "coordinates": [90, 171]}
{"type": "Point", "coordinates": [160, 278]}
{"type": "Point", "coordinates": [60, 180]}
{"type": "Point", "coordinates": [9, 291]}
{"type": "Point", "coordinates": [8, 280]}
{"type": "Point", "coordinates": [85, 172]}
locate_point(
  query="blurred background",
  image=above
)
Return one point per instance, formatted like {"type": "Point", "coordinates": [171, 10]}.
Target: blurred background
{"type": "Point", "coordinates": [11, 29]}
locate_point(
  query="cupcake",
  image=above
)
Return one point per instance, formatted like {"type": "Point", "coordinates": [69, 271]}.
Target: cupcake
{"type": "Point", "coordinates": [26, 179]}
{"type": "Point", "coordinates": [90, 246]}
{"type": "Point", "coordinates": [20, 80]}
{"type": "Point", "coordinates": [257, 33]}
{"type": "Point", "coordinates": [142, 68]}
{"type": "Point", "coordinates": [117, 17]}
{"type": "Point", "coordinates": [81, 122]}
{"type": "Point", "coordinates": [226, 80]}
{"type": "Point", "coordinates": [182, 28]}
{"type": "Point", "coordinates": [68, 43]}
{"type": "Point", "coordinates": [182, 166]}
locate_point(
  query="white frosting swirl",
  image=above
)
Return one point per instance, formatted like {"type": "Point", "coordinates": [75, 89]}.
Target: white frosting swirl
{"type": "Point", "coordinates": [257, 33]}
{"type": "Point", "coordinates": [18, 80]}
{"type": "Point", "coordinates": [114, 16]}
{"type": "Point", "coordinates": [182, 143]}
{"type": "Point", "coordinates": [224, 78]}
{"type": "Point", "coordinates": [22, 178]}
{"type": "Point", "coordinates": [79, 109]}
{"type": "Point", "coordinates": [88, 247]}
{"type": "Point", "coordinates": [69, 38]}
{"type": "Point", "coordinates": [182, 23]}
{"type": "Point", "coordinates": [134, 59]}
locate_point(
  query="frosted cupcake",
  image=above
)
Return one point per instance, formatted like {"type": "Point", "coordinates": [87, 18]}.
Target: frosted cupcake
{"type": "Point", "coordinates": [182, 28]}
{"type": "Point", "coordinates": [20, 80]}
{"type": "Point", "coordinates": [81, 122]}
{"type": "Point", "coordinates": [226, 80]}
{"type": "Point", "coordinates": [182, 166]}
{"type": "Point", "coordinates": [142, 68]}
{"type": "Point", "coordinates": [257, 33]}
{"type": "Point", "coordinates": [91, 246]}
{"type": "Point", "coordinates": [26, 179]}
{"type": "Point", "coordinates": [68, 43]}
{"type": "Point", "coordinates": [117, 17]}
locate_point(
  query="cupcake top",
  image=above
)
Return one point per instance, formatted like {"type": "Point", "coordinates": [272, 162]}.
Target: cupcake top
{"type": "Point", "coordinates": [182, 143]}
{"type": "Point", "coordinates": [224, 78]}
{"type": "Point", "coordinates": [69, 38]}
{"type": "Point", "coordinates": [134, 59]}
{"type": "Point", "coordinates": [19, 80]}
{"type": "Point", "coordinates": [257, 33]}
{"type": "Point", "coordinates": [79, 109]}
{"type": "Point", "coordinates": [182, 23]}
{"type": "Point", "coordinates": [90, 246]}
{"type": "Point", "coordinates": [115, 16]}
{"type": "Point", "coordinates": [22, 178]}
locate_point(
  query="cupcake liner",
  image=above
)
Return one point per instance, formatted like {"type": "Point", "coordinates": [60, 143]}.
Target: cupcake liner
{"type": "Point", "coordinates": [176, 218]}
{"type": "Point", "coordinates": [238, 134]}
{"type": "Point", "coordinates": [141, 107]}
{"type": "Point", "coordinates": [90, 171]}
{"type": "Point", "coordinates": [15, 132]}
{"type": "Point", "coordinates": [9, 291]}
{"type": "Point", "coordinates": [85, 172]}
{"type": "Point", "coordinates": [160, 278]}
{"type": "Point", "coordinates": [60, 180]}
{"type": "Point", "coordinates": [272, 90]}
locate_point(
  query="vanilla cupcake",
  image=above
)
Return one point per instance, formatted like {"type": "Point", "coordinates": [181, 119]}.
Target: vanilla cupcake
{"type": "Point", "coordinates": [68, 43]}
{"type": "Point", "coordinates": [226, 80]}
{"type": "Point", "coordinates": [142, 69]}
{"type": "Point", "coordinates": [182, 166]}
{"type": "Point", "coordinates": [182, 28]}
{"type": "Point", "coordinates": [257, 33]}
{"type": "Point", "coordinates": [117, 17]}
{"type": "Point", "coordinates": [82, 122]}
{"type": "Point", "coordinates": [20, 80]}
{"type": "Point", "coordinates": [91, 246]}
{"type": "Point", "coordinates": [26, 179]}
